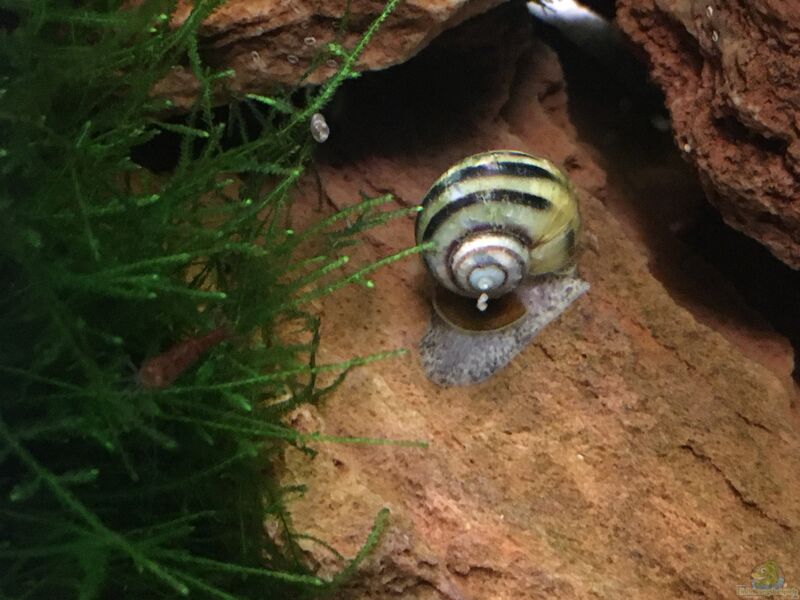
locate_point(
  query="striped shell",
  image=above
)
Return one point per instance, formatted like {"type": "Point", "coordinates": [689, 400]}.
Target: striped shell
{"type": "Point", "coordinates": [495, 218]}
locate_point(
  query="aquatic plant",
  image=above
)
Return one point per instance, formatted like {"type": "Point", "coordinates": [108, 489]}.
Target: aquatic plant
{"type": "Point", "coordinates": [113, 485]}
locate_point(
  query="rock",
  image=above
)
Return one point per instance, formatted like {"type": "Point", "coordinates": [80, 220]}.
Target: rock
{"type": "Point", "coordinates": [268, 42]}
{"type": "Point", "coordinates": [729, 73]}
{"type": "Point", "coordinates": [629, 452]}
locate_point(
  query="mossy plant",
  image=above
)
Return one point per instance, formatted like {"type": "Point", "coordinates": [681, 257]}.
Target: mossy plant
{"type": "Point", "coordinates": [111, 488]}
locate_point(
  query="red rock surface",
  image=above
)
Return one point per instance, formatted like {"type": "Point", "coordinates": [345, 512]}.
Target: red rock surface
{"type": "Point", "coordinates": [272, 41]}
{"type": "Point", "coordinates": [729, 71]}
{"type": "Point", "coordinates": [629, 452]}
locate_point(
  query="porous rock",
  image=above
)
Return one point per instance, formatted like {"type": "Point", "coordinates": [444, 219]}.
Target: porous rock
{"type": "Point", "coordinates": [268, 42]}
{"type": "Point", "coordinates": [629, 452]}
{"type": "Point", "coordinates": [729, 70]}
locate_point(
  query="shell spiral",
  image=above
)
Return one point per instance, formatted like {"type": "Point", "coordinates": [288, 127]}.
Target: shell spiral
{"type": "Point", "coordinates": [496, 217]}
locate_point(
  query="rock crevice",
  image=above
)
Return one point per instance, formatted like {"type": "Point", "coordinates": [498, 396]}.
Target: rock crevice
{"type": "Point", "coordinates": [729, 70]}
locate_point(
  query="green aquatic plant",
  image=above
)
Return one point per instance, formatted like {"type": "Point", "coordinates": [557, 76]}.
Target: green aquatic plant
{"type": "Point", "coordinates": [110, 487]}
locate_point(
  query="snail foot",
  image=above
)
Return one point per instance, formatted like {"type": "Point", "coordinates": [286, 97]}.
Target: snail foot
{"type": "Point", "coordinates": [464, 346]}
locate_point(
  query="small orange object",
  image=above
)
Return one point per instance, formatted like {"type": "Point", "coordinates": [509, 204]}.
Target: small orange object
{"type": "Point", "coordinates": [161, 371]}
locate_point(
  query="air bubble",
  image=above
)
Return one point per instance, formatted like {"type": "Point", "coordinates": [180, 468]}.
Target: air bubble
{"type": "Point", "coordinates": [310, 41]}
{"type": "Point", "coordinates": [292, 59]}
{"type": "Point", "coordinates": [257, 60]}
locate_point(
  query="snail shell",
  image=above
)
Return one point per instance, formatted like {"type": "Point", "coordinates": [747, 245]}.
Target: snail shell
{"type": "Point", "coordinates": [319, 128]}
{"type": "Point", "coordinates": [495, 218]}
{"type": "Point", "coordinates": [500, 222]}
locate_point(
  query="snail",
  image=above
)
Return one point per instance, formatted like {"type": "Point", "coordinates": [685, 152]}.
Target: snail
{"type": "Point", "coordinates": [319, 128]}
{"type": "Point", "coordinates": [503, 227]}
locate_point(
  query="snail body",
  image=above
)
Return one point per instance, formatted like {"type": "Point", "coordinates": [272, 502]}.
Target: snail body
{"type": "Point", "coordinates": [495, 218]}
{"type": "Point", "coordinates": [451, 355]}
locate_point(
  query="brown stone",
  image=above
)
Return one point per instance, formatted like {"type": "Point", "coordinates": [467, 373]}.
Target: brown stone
{"type": "Point", "coordinates": [269, 42]}
{"type": "Point", "coordinates": [729, 70]}
{"type": "Point", "coordinates": [629, 452]}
